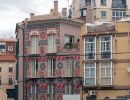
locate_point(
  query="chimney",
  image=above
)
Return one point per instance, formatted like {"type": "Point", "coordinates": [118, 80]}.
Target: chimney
{"type": "Point", "coordinates": [89, 15]}
{"type": "Point", "coordinates": [55, 7]}
{"type": "Point", "coordinates": [32, 15]}
{"type": "Point", "coordinates": [64, 12]}
{"type": "Point", "coordinates": [51, 11]}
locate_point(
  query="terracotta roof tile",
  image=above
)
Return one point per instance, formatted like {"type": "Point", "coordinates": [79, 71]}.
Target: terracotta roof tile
{"type": "Point", "coordinates": [44, 17]}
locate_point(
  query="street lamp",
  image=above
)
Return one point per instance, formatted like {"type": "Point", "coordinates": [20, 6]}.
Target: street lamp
{"type": "Point", "coordinates": [23, 31]}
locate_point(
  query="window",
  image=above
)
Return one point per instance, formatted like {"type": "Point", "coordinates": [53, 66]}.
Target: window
{"type": "Point", "coordinates": [87, 2]}
{"type": "Point", "coordinates": [83, 13]}
{"type": "Point", "coordinates": [106, 47]}
{"type": "Point", "coordinates": [0, 80]}
{"type": "Point", "coordinates": [10, 48]}
{"type": "Point", "coordinates": [34, 68]}
{"type": "Point", "coordinates": [10, 69]}
{"type": "Point", "coordinates": [68, 88]}
{"type": "Point", "coordinates": [103, 14]}
{"type": "Point", "coordinates": [106, 73]}
{"type": "Point", "coordinates": [34, 45]}
{"type": "Point", "coordinates": [103, 2]}
{"type": "Point", "coordinates": [34, 92]}
{"type": "Point", "coordinates": [2, 47]}
{"type": "Point", "coordinates": [68, 39]}
{"type": "Point", "coordinates": [0, 69]}
{"type": "Point", "coordinates": [51, 44]}
{"type": "Point", "coordinates": [51, 67]}
{"type": "Point", "coordinates": [90, 74]}
{"type": "Point", "coordinates": [119, 4]}
{"type": "Point", "coordinates": [10, 80]}
{"type": "Point", "coordinates": [118, 14]}
{"type": "Point", "coordinates": [90, 48]}
{"type": "Point", "coordinates": [69, 67]}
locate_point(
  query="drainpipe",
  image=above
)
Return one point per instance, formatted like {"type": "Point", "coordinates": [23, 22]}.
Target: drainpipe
{"type": "Point", "coordinates": [23, 30]}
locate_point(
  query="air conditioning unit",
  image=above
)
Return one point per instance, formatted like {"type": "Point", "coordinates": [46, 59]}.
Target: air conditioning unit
{"type": "Point", "coordinates": [128, 69]}
{"type": "Point", "coordinates": [92, 93]}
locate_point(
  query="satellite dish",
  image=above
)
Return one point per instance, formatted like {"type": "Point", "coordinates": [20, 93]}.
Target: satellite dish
{"type": "Point", "coordinates": [128, 69]}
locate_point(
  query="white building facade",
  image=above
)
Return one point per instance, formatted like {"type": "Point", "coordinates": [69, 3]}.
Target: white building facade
{"type": "Point", "coordinates": [103, 10]}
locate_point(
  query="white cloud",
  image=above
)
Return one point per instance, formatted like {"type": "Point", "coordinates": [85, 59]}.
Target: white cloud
{"type": "Point", "coordinates": [13, 11]}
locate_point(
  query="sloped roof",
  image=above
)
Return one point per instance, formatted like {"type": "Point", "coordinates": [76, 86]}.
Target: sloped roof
{"type": "Point", "coordinates": [44, 17]}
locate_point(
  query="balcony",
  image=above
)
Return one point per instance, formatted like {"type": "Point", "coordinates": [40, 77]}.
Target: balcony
{"type": "Point", "coordinates": [71, 45]}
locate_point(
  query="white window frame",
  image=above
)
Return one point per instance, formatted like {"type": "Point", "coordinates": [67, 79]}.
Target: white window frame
{"type": "Point", "coordinates": [102, 14]}
{"type": "Point", "coordinates": [35, 86]}
{"type": "Point", "coordinates": [117, 17]}
{"type": "Point", "coordinates": [89, 70]}
{"type": "Point", "coordinates": [35, 45]}
{"type": "Point", "coordinates": [10, 48]}
{"type": "Point", "coordinates": [51, 70]}
{"type": "Point", "coordinates": [105, 46]}
{"type": "Point", "coordinates": [69, 67]}
{"type": "Point", "coordinates": [105, 74]}
{"type": "Point", "coordinates": [34, 68]}
{"type": "Point", "coordinates": [89, 51]}
{"type": "Point", "coordinates": [51, 43]}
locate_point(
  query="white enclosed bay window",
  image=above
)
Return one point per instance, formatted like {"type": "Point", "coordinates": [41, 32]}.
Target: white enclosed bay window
{"type": "Point", "coordinates": [106, 73]}
{"type": "Point", "coordinates": [90, 74]}
{"type": "Point", "coordinates": [105, 47]}
{"type": "Point", "coordinates": [90, 48]}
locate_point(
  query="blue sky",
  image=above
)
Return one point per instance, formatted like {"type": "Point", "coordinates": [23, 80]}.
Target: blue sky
{"type": "Point", "coordinates": [13, 11]}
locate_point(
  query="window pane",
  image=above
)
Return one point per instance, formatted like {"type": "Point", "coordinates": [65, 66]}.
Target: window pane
{"type": "Point", "coordinates": [92, 73]}
{"type": "Point", "coordinates": [108, 71]}
{"type": "Point", "coordinates": [102, 72]}
{"type": "Point", "coordinates": [86, 72]}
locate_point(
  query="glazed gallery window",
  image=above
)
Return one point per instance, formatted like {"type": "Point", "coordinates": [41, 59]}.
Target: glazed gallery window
{"type": "Point", "coordinates": [118, 14]}
{"type": "Point", "coordinates": [34, 45]}
{"type": "Point", "coordinates": [51, 43]}
{"type": "Point", "coordinates": [51, 67]}
{"type": "Point", "coordinates": [34, 68]}
{"type": "Point", "coordinates": [105, 47]}
{"type": "Point", "coordinates": [106, 73]}
{"type": "Point", "coordinates": [90, 74]}
{"type": "Point", "coordinates": [90, 47]}
{"type": "Point", "coordinates": [69, 67]}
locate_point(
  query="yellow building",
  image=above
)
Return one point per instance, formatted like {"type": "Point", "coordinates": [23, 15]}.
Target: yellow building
{"type": "Point", "coordinates": [105, 63]}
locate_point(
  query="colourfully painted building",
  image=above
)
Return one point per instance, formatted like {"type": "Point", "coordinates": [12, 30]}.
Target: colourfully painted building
{"type": "Point", "coordinates": [7, 69]}
{"type": "Point", "coordinates": [49, 52]}
{"type": "Point", "coordinates": [102, 10]}
{"type": "Point", "coordinates": [106, 62]}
